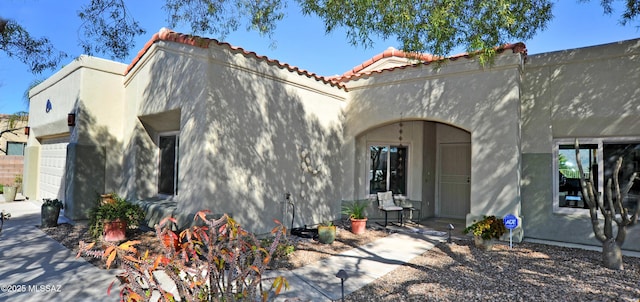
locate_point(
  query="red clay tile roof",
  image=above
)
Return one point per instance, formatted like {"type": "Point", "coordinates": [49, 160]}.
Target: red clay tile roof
{"type": "Point", "coordinates": [356, 72]}
{"type": "Point", "coordinates": [168, 35]}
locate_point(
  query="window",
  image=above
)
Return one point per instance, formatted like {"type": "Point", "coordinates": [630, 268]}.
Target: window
{"type": "Point", "coordinates": [388, 169]}
{"type": "Point", "coordinates": [168, 176]}
{"type": "Point", "coordinates": [598, 158]}
{"type": "Point", "coordinates": [15, 148]}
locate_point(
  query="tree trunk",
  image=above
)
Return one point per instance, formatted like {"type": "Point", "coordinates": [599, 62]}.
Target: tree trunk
{"type": "Point", "coordinates": [612, 254]}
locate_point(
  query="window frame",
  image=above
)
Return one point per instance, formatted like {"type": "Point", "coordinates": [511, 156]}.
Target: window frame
{"type": "Point", "coordinates": [600, 142]}
{"type": "Point", "coordinates": [367, 167]}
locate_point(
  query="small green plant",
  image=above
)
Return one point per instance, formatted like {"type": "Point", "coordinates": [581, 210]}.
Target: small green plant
{"type": "Point", "coordinates": [355, 209]}
{"type": "Point", "coordinates": [121, 209]}
{"type": "Point", "coordinates": [283, 249]}
{"type": "Point", "coordinates": [487, 228]}
{"type": "Point", "coordinates": [216, 261]}
{"type": "Point", "coordinates": [52, 203]}
{"type": "Point", "coordinates": [327, 223]}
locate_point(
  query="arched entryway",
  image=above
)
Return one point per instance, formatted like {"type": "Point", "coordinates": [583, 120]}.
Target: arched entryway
{"type": "Point", "coordinates": [423, 160]}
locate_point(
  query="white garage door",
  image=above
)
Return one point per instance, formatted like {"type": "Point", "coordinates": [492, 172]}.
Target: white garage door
{"type": "Point", "coordinates": [53, 157]}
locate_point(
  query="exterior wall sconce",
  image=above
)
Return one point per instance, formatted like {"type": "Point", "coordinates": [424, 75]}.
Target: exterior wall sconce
{"type": "Point", "coordinates": [27, 130]}
{"type": "Point", "coordinates": [71, 119]}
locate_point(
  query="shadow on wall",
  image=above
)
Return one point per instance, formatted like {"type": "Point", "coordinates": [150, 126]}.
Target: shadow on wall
{"type": "Point", "coordinates": [575, 93]}
{"type": "Point", "coordinates": [483, 102]}
{"type": "Point", "coordinates": [94, 163]}
{"type": "Point", "coordinates": [242, 139]}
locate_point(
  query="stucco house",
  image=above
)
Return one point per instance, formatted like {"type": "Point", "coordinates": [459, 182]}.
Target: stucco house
{"type": "Point", "coordinates": [193, 123]}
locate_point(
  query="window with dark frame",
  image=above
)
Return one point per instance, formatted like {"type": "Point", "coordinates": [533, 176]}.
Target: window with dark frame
{"type": "Point", "coordinates": [569, 190]}
{"type": "Point", "coordinates": [388, 169]}
{"type": "Point", "coordinates": [168, 170]}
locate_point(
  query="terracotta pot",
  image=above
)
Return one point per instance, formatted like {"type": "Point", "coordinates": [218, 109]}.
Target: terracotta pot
{"type": "Point", "coordinates": [114, 230]}
{"type": "Point", "coordinates": [326, 234]}
{"type": "Point", "coordinates": [358, 226]}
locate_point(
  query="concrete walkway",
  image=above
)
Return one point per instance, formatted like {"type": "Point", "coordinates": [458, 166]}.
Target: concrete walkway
{"type": "Point", "coordinates": [363, 265]}
{"type": "Point", "coordinates": [34, 267]}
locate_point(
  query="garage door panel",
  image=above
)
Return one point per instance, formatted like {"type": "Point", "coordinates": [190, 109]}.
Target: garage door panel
{"type": "Point", "coordinates": [53, 159]}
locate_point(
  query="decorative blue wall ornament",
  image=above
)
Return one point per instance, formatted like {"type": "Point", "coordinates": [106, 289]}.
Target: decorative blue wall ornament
{"type": "Point", "coordinates": [49, 106]}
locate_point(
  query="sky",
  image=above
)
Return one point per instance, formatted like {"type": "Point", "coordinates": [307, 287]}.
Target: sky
{"type": "Point", "coordinates": [299, 40]}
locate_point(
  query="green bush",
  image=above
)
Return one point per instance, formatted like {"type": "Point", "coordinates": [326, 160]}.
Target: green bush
{"type": "Point", "coordinates": [121, 209]}
{"type": "Point", "coordinates": [487, 228]}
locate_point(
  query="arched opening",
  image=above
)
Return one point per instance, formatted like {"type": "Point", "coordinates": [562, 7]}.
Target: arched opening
{"type": "Point", "coordinates": [421, 160]}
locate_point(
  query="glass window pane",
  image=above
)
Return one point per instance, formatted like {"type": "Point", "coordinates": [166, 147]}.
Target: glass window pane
{"type": "Point", "coordinates": [378, 169]}
{"type": "Point", "coordinates": [166, 182]}
{"type": "Point", "coordinates": [630, 154]}
{"type": "Point", "coordinates": [14, 148]}
{"type": "Point", "coordinates": [398, 170]}
{"type": "Point", "coordinates": [569, 189]}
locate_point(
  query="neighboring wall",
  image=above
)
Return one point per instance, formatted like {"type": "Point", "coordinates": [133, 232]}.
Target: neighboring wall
{"type": "Point", "coordinates": [589, 92]}
{"type": "Point", "coordinates": [11, 166]}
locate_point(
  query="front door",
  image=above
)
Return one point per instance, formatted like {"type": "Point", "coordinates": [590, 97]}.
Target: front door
{"type": "Point", "coordinates": [455, 180]}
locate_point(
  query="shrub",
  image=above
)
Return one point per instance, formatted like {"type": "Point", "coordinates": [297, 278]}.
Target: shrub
{"type": "Point", "coordinates": [121, 209]}
{"type": "Point", "coordinates": [216, 261]}
{"type": "Point", "coordinates": [355, 209]}
{"type": "Point", "coordinates": [48, 202]}
{"type": "Point", "coordinates": [487, 228]}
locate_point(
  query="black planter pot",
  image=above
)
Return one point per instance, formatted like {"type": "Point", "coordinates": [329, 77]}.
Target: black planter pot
{"type": "Point", "coordinates": [49, 215]}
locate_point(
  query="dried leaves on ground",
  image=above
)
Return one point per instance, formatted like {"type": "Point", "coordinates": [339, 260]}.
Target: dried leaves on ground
{"type": "Point", "coordinates": [306, 250]}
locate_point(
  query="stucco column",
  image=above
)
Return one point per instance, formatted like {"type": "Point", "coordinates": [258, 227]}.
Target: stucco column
{"type": "Point", "coordinates": [31, 170]}
{"type": "Point", "coordinates": [85, 179]}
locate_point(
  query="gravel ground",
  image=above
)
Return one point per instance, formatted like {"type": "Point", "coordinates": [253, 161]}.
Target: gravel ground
{"type": "Point", "coordinates": [529, 272]}
{"type": "Point", "coordinates": [459, 271]}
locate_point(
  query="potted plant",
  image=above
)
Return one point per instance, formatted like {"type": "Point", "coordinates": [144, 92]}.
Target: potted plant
{"type": "Point", "coordinates": [356, 212]}
{"type": "Point", "coordinates": [18, 183]}
{"type": "Point", "coordinates": [9, 192]}
{"type": "Point", "coordinates": [111, 220]}
{"type": "Point", "coordinates": [486, 230]}
{"type": "Point", "coordinates": [326, 232]}
{"type": "Point", "coordinates": [49, 212]}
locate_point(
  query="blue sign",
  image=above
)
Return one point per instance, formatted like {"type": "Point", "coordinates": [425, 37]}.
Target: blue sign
{"type": "Point", "coordinates": [510, 222]}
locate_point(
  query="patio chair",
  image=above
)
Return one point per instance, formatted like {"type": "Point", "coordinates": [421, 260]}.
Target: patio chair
{"type": "Point", "coordinates": [386, 204]}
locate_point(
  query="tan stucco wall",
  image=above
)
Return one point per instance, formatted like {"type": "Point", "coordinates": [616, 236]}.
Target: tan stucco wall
{"type": "Point", "coordinates": [243, 124]}
{"type": "Point", "coordinates": [484, 102]}
{"type": "Point", "coordinates": [581, 93]}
